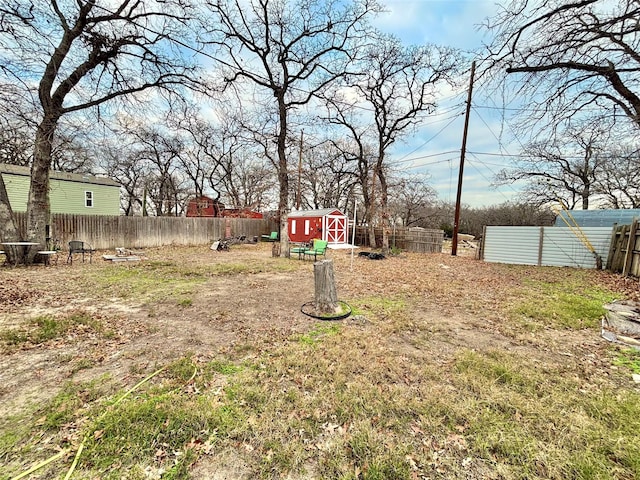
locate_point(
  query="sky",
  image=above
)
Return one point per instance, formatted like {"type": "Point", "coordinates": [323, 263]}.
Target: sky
{"type": "Point", "coordinates": [434, 150]}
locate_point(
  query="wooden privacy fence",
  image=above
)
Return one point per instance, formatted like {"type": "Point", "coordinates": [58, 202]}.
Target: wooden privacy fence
{"type": "Point", "coordinates": [624, 254]}
{"type": "Point", "coordinates": [107, 232]}
{"type": "Point", "coordinates": [410, 239]}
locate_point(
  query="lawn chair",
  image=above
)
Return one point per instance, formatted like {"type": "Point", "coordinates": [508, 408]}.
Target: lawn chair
{"type": "Point", "coordinates": [319, 248]}
{"type": "Point", "coordinates": [272, 237]}
{"type": "Point", "coordinates": [299, 249]}
{"type": "Point", "coordinates": [77, 246]}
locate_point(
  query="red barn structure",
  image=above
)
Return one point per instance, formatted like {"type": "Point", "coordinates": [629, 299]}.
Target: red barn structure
{"type": "Point", "coordinates": [328, 224]}
{"type": "Point", "coordinates": [208, 207]}
{"type": "Point", "coordinates": [240, 213]}
{"type": "Point", "coordinates": [204, 207]}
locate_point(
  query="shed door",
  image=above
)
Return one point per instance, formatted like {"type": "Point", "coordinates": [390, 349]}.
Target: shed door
{"type": "Point", "coordinates": [335, 228]}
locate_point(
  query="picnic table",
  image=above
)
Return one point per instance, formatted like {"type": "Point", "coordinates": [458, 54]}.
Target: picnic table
{"type": "Point", "coordinates": [19, 250]}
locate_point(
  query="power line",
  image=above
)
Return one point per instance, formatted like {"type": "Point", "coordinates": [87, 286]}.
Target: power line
{"type": "Point", "coordinates": [511, 129]}
{"type": "Point", "coordinates": [223, 62]}
{"type": "Point", "coordinates": [525, 109]}
{"type": "Point", "coordinates": [489, 181]}
{"type": "Point", "coordinates": [489, 168]}
{"type": "Point", "coordinates": [499, 154]}
{"type": "Point", "coordinates": [431, 155]}
{"type": "Point", "coordinates": [427, 164]}
{"type": "Point", "coordinates": [402, 159]}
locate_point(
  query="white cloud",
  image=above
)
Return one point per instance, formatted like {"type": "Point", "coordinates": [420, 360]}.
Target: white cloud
{"type": "Point", "coordinates": [435, 147]}
{"type": "Point", "coordinates": [445, 22]}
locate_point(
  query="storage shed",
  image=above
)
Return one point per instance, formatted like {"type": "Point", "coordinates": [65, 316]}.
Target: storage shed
{"type": "Point", "coordinates": [328, 224]}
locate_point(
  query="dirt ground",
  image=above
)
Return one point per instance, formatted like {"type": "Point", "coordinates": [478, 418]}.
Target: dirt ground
{"type": "Point", "coordinates": [461, 298]}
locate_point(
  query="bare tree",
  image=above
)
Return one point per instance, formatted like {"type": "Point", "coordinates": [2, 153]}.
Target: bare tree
{"type": "Point", "coordinates": [292, 50]}
{"type": "Point", "coordinates": [16, 144]}
{"type": "Point", "coordinates": [252, 182]}
{"type": "Point", "coordinates": [509, 213]}
{"type": "Point", "coordinates": [73, 147]}
{"type": "Point", "coordinates": [564, 169]}
{"type": "Point", "coordinates": [218, 157]}
{"type": "Point", "coordinates": [439, 214]}
{"type": "Point", "coordinates": [327, 179]}
{"type": "Point", "coordinates": [398, 85]}
{"type": "Point", "coordinates": [202, 159]}
{"type": "Point", "coordinates": [78, 55]}
{"type": "Point", "coordinates": [619, 182]}
{"type": "Point", "coordinates": [126, 166]}
{"type": "Point", "coordinates": [411, 197]}
{"type": "Point", "coordinates": [160, 151]}
{"type": "Point", "coordinates": [16, 126]}
{"type": "Point", "coordinates": [356, 150]}
{"type": "Point", "coordinates": [571, 56]}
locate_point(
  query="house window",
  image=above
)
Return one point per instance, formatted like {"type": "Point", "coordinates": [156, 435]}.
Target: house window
{"type": "Point", "coordinates": [88, 199]}
{"type": "Point", "coordinates": [306, 227]}
{"type": "Point", "coordinates": [293, 227]}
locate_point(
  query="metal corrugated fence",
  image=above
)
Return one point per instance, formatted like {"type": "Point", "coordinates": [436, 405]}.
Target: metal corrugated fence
{"type": "Point", "coordinates": [545, 246]}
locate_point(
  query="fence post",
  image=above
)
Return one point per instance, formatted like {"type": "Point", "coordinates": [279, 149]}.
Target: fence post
{"type": "Point", "coordinates": [628, 256]}
{"type": "Point", "coordinates": [540, 246]}
{"type": "Point", "coordinates": [481, 248]}
{"type": "Point", "coordinates": [612, 247]}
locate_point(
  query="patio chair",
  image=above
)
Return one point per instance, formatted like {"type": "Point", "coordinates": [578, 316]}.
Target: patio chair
{"type": "Point", "coordinates": [299, 249]}
{"type": "Point", "coordinates": [272, 237]}
{"type": "Point", "coordinates": [78, 246]}
{"type": "Point", "coordinates": [319, 248]}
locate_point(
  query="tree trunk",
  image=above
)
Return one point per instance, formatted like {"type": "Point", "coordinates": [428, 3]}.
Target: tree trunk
{"type": "Point", "coordinates": [372, 234]}
{"type": "Point", "coordinates": [326, 296]}
{"type": "Point", "coordinates": [586, 193]}
{"type": "Point", "coordinates": [384, 204]}
{"type": "Point", "coordinates": [372, 211]}
{"type": "Point", "coordinates": [38, 208]}
{"type": "Point", "coordinates": [283, 176]}
{"type": "Point", "coordinates": [8, 229]}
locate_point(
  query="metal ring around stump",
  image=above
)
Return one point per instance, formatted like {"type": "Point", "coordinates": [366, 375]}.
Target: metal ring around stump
{"type": "Point", "coordinates": [340, 316]}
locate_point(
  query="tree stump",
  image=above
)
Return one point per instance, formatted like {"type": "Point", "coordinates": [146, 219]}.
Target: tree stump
{"type": "Point", "coordinates": [326, 296]}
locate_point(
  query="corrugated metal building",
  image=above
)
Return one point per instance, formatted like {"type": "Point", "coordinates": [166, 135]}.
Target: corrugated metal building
{"type": "Point", "coordinates": [545, 246]}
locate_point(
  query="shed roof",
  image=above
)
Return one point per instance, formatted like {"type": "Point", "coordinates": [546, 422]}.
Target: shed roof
{"type": "Point", "coordinates": [66, 176]}
{"type": "Point", "coordinates": [598, 218]}
{"type": "Point", "coordinates": [315, 213]}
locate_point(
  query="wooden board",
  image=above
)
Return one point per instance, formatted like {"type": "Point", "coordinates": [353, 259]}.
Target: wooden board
{"type": "Point", "coordinates": [116, 258]}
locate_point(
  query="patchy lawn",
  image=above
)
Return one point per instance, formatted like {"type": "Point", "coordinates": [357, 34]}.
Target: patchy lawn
{"type": "Point", "coordinates": [199, 364]}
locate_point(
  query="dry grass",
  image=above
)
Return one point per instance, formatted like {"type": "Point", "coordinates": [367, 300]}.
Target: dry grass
{"type": "Point", "coordinates": [450, 368]}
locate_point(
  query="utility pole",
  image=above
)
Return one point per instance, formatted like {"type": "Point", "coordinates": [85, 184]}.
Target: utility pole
{"type": "Point", "coordinates": [299, 194]}
{"type": "Point", "coordinates": [456, 221]}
